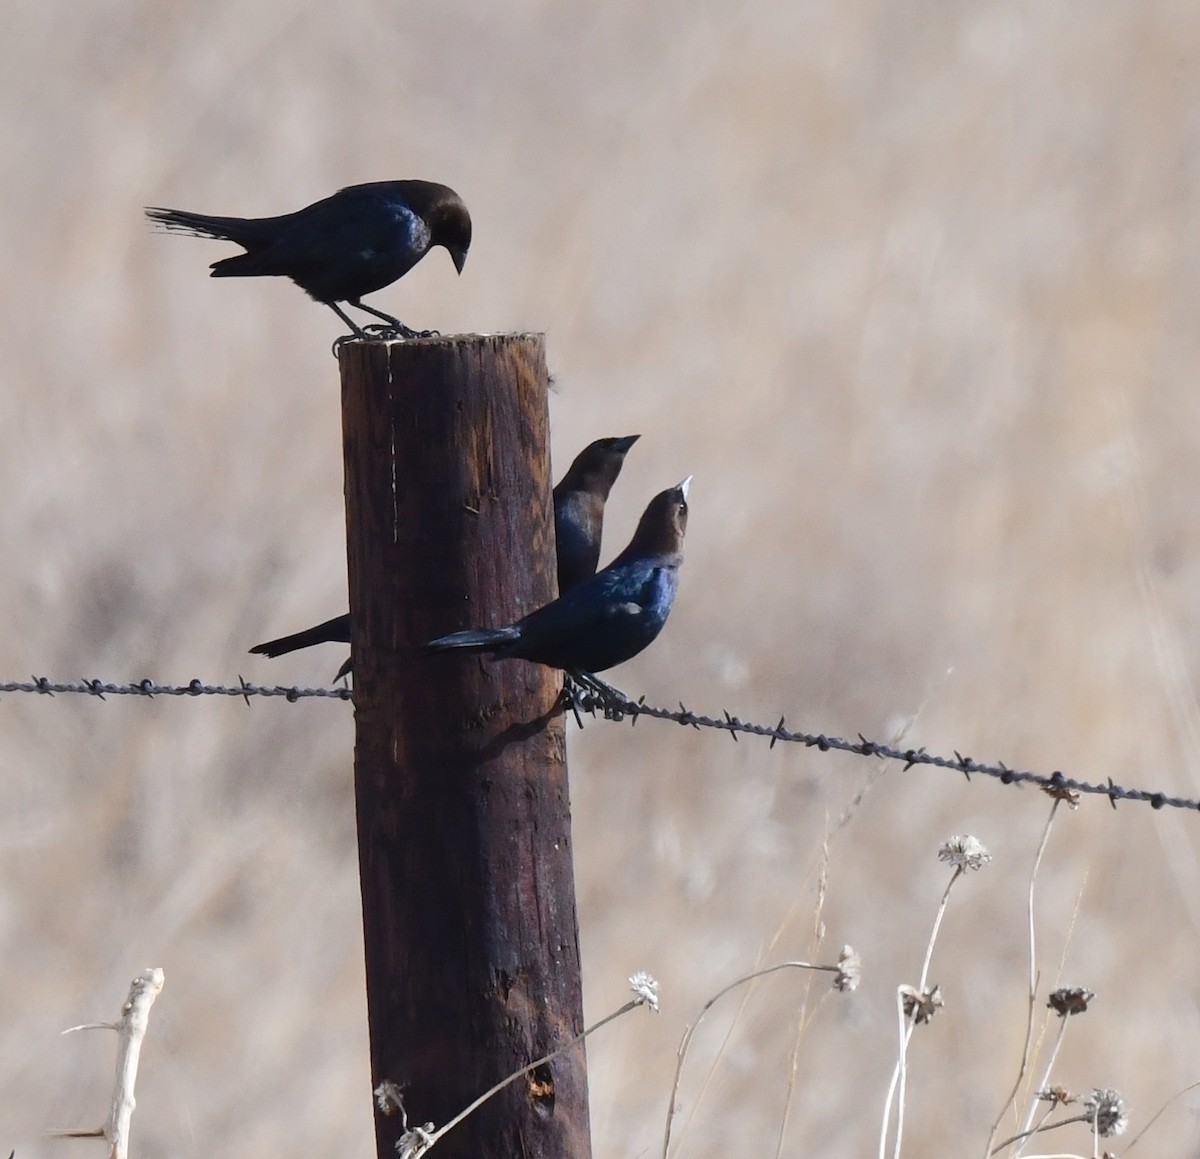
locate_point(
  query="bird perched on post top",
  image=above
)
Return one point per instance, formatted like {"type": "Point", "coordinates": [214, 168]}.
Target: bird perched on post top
{"type": "Point", "coordinates": [579, 502]}
{"type": "Point", "coordinates": [607, 619]}
{"type": "Point", "coordinates": [359, 240]}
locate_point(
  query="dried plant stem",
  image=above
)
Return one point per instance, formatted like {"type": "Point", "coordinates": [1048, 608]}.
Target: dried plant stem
{"type": "Point", "coordinates": [1033, 984]}
{"type": "Point", "coordinates": [937, 925]}
{"type": "Point", "coordinates": [906, 1027]}
{"type": "Point", "coordinates": [806, 1015]}
{"type": "Point", "coordinates": [805, 1022]}
{"type": "Point", "coordinates": [905, 1032]}
{"type": "Point", "coordinates": [1026, 1131]}
{"type": "Point", "coordinates": [429, 1138]}
{"type": "Point", "coordinates": [710, 1074]}
{"type": "Point", "coordinates": [1044, 1126]}
{"type": "Point", "coordinates": [689, 1033]}
{"type": "Point", "coordinates": [131, 1029]}
{"type": "Point", "coordinates": [1158, 1114]}
{"type": "Point", "coordinates": [1033, 972]}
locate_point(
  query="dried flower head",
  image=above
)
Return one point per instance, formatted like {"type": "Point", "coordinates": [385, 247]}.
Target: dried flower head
{"type": "Point", "coordinates": [645, 990]}
{"type": "Point", "coordinates": [964, 852]}
{"type": "Point", "coordinates": [921, 1007]}
{"type": "Point", "coordinates": [1056, 1096]}
{"type": "Point", "coordinates": [1060, 792]}
{"type": "Point", "coordinates": [1070, 1000]}
{"type": "Point", "coordinates": [1108, 1112]}
{"type": "Point", "coordinates": [415, 1142]}
{"type": "Point", "coordinates": [388, 1097]}
{"type": "Point", "coordinates": [849, 970]}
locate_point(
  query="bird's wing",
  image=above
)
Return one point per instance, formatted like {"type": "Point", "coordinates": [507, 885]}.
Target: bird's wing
{"type": "Point", "coordinates": [599, 605]}
{"type": "Point", "coordinates": [377, 230]}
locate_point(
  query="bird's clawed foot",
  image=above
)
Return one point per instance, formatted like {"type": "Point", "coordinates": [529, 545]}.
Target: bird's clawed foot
{"type": "Point", "coordinates": [586, 691]}
{"type": "Point", "coordinates": [382, 330]}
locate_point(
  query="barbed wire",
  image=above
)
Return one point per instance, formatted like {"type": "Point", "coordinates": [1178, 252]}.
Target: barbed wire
{"type": "Point", "coordinates": [612, 705]}
{"type": "Point", "coordinates": [615, 705]}
{"type": "Point", "coordinates": [150, 688]}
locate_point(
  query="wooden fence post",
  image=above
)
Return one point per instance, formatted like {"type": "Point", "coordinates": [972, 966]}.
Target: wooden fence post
{"type": "Point", "coordinates": [472, 948]}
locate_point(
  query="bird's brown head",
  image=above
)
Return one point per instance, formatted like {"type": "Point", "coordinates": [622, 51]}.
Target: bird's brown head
{"type": "Point", "coordinates": [444, 212]}
{"type": "Point", "coordinates": [661, 528]}
{"type": "Point", "coordinates": [597, 466]}
{"type": "Point", "coordinates": [450, 226]}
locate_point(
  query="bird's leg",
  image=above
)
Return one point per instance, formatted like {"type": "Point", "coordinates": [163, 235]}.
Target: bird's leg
{"type": "Point", "coordinates": [393, 325]}
{"type": "Point", "coordinates": [354, 328]}
{"type": "Point", "coordinates": [393, 322]}
{"type": "Point", "coordinates": [338, 342]}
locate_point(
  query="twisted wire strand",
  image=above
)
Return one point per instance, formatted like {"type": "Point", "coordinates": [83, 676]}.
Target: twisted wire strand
{"type": "Point", "coordinates": [610, 704]}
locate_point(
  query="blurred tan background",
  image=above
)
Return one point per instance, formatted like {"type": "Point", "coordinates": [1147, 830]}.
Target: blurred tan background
{"type": "Point", "coordinates": [910, 288]}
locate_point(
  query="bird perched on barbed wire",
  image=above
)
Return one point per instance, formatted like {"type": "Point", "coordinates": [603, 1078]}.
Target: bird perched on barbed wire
{"type": "Point", "coordinates": [607, 619]}
{"type": "Point", "coordinates": [359, 240]}
{"type": "Point", "coordinates": [579, 502]}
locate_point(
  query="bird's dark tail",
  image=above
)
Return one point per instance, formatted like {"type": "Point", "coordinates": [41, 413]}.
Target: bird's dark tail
{"type": "Point", "coordinates": [486, 640]}
{"type": "Point", "coordinates": [335, 630]}
{"type": "Point", "coordinates": [245, 231]}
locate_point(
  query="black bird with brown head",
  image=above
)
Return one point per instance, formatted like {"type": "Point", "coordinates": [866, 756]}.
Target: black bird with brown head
{"type": "Point", "coordinates": [357, 241]}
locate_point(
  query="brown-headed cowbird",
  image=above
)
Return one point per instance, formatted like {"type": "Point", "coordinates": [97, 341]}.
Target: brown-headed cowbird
{"type": "Point", "coordinates": [579, 502]}
{"type": "Point", "coordinates": [607, 619]}
{"type": "Point", "coordinates": [359, 240]}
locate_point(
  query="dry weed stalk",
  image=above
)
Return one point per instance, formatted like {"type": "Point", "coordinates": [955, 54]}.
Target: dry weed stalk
{"type": "Point", "coordinates": [1026, 1049]}
{"type": "Point", "coordinates": [1159, 1113]}
{"type": "Point", "coordinates": [417, 1140]}
{"type": "Point", "coordinates": [131, 1029]}
{"type": "Point", "coordinates": [917, 1005]}
{"type": "Point", "coordinates": [1103, 1109]}
{"type": "Point", "coordinates": [847, 974]}
{"type": "Point", "coordinates": [807, 1012]}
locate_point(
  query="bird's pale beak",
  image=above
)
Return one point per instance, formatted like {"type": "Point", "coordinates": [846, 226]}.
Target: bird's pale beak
{"type": "Point", "coordinates": [685, 485]}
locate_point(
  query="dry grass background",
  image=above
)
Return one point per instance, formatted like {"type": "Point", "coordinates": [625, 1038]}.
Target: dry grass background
{"type": "Point", "coordinates": [911, 288]}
